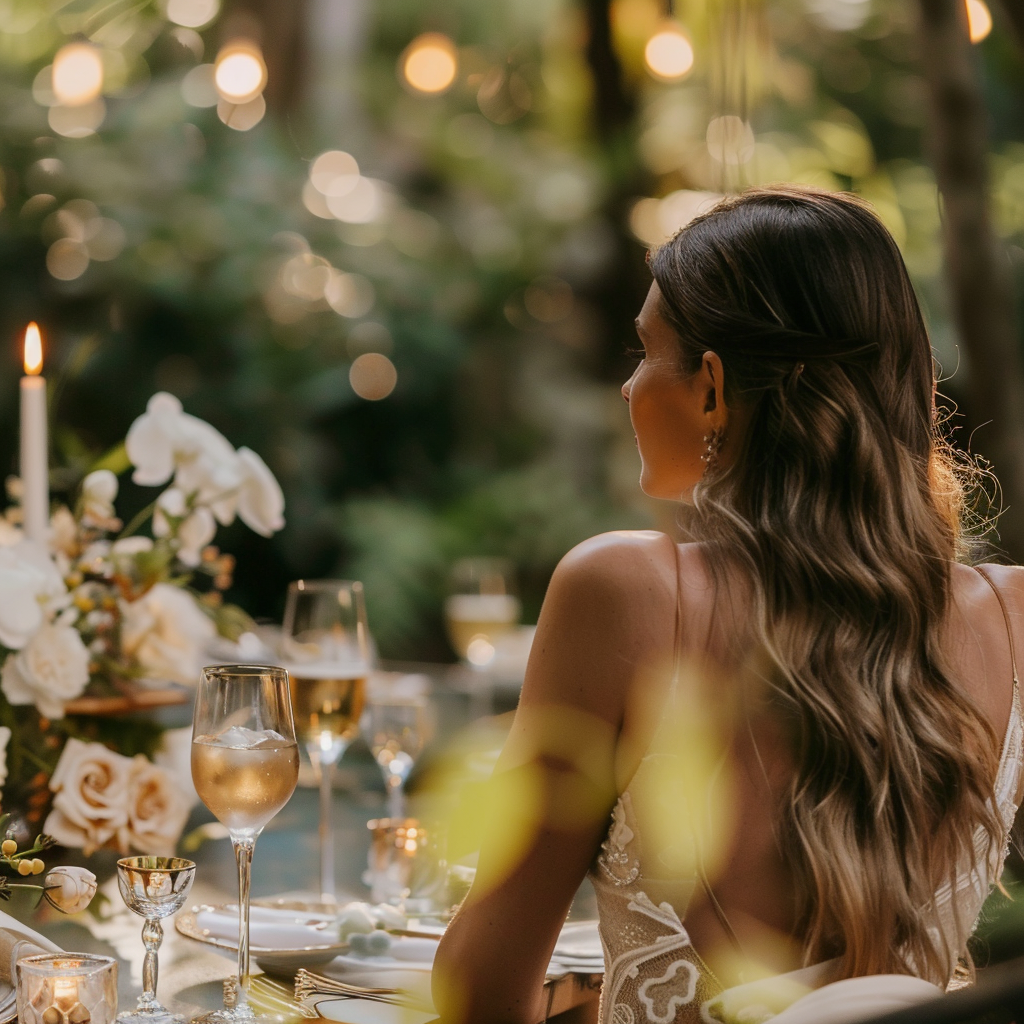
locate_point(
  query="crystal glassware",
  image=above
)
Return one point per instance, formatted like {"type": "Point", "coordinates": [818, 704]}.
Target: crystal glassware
{"type": "Point", "coordinates": [245, 763]}
{"type": "Point", "coordinates": [398, 726]}
{"type": "Point", "coordinates": [153, 888]}
{"type": "Point", "coordinates": [67, 988]}
{"type": "Point", "coordinates": [326, 648]}
{"type": "Point", "coordinates": [482, 606]}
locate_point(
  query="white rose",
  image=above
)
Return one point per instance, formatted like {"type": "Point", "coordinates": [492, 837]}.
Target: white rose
{"type": "Point", "coordinates": [5, 738]}
{"type": "Point", "coordinates": [29, 584]}
{"type": "Point", "coordinates": [69, 889]}
{"type": "Point", "coordinates": [260, 501]}
{"type": "Point", "coordinates": [99, 489]}
{"type": "Point", "coordinates": [91, 803]}
{"type": "Point", "coordinates": [51, 669]}
{"type": "Point", "coordinates": [167, 632]}
{"type": "Point", "coordinates": [157, 811]}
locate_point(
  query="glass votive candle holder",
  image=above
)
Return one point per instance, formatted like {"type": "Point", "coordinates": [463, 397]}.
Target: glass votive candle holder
{"type": "Point", "coordinates": [404, 867]}
{"type": "Point", "coordinates": [67, 988]}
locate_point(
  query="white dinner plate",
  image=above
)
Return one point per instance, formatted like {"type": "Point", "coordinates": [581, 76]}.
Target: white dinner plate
{"type": "Point", "coordinates": [363, 1011]}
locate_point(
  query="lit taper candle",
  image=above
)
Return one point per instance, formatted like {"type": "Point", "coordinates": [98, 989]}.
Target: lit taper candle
{"type": "Point", "coordinates": [35, 500]}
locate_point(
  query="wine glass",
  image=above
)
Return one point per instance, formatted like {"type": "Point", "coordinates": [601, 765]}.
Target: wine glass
{"type": "Point", "coordinates": [482, 607]}
{"type": "Point", "coordinates": [326, 648]}
{"type": "Point", "coordinates": [153, 888]}
{"type": "Point", "coordinates": [245, 763]}
{"type": "Point", "coordinates": [398, 726]}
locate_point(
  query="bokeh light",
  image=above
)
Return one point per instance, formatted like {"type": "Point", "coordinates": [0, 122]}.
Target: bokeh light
{"type": "Point", "coordinates": [362, 204]}
{"type": "Point", "coordinates": [669, 54]}
{"type": "Point", "coordinates": [979, 20]}
{"type": "Point", "coordinates": [349, 295]}
{"type": "Point", "coordinates": [192, 13]}
{"type": "Point", "coordinates": [242, 116]}
{"type": "Point", "coordinates": [373, 376]}
{"type": "Point", "coordinates": [77, 74]}
{"type": "Point", "coordinates": [240, 73]}
{"type": "Point", "coordinates": [429, 63]}
{"type": "Point", "coordinates": [198, 88]}
{"type": "Point", "coordinates": [67, 259]}
{"type": "Point", "coordinates": [334, 173]}
{"type": "Point", "coordinates": [79, 121]}
{"type": "Point", "coordinates": [655, 221]}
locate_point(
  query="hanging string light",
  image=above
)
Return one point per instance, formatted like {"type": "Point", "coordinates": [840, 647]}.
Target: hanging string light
{"type": "Point", "coordinates": [669, 53]}
{"type": "Point", "coordinates": [77, 74]}
{"type": "Point", "coordinates": [430, 63]}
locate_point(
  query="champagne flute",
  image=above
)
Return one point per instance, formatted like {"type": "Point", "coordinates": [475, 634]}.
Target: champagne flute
{"type": "Point", "coordinates": [482, 607]}
{"type": "Point", "coordinates": [398, 726]}
{"type": "Point", "coordinates": [326, 647]}
{"type": "Point", "coordinates": [245, 763]}
{"type": "Point", "coordinates": [153, 888]}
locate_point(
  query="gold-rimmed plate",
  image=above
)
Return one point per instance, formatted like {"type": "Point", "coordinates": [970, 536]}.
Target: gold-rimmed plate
{"type": "Point", "coordinates": [273, 960]}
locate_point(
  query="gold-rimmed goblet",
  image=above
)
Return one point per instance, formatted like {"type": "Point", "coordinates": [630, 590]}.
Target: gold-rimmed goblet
{"type": "Point", "coordinates": [153, 888]}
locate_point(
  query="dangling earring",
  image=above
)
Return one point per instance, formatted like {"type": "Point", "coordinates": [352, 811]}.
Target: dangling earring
{"type": "Point", "coordinates": [714, 442]}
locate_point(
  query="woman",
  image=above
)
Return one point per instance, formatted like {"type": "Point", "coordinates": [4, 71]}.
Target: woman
{"type": "Point", "coordinates": [796, 741]}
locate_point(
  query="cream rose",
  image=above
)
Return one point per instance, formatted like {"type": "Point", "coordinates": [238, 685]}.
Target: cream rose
{"type": "Point", "coordinates": [157, 810]}
{"type": "Point", "coordinates": [69, 889]}
{"type": "Point", "coordinates": [90, 807]}
{"type": "Point", "coordinates": [51, 669]}
{"type": "Point", "coordinates": [167, 632]}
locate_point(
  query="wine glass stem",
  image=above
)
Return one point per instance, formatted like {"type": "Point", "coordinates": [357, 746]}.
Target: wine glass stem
{"type": "Point", "coordinates": [152, 936]}
{"type": "Point", "coordinates": [243, 846]}
{"type": "Point", "coordinates": [327, 890]}
{"type": "Point", "coordinates": [396, 798]}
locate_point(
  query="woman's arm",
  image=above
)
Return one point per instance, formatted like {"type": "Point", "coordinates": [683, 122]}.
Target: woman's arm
{"type": "Point", "coordinates": [609, 608]}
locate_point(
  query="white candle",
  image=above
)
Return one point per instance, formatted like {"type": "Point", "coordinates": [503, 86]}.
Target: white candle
{"type": "Point", "coordinates": [35, 467]}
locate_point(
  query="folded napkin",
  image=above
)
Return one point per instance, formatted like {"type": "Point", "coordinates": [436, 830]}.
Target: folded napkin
{"type": "Point", "coordinates": [268, 928]}
{"type": "Point", "coordinates": [578, 950]}
{"type": "Point", "coordinates": [16, 941]}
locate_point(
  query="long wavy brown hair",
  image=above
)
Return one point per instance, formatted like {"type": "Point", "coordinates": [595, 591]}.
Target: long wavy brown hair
{"type": "Point", "coordinates": [843, 512]}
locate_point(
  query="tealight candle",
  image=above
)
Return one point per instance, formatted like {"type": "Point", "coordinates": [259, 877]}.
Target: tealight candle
{"type": "Point", "coordinates": [35, 472]}
{"type": "Point", "coordinates": [67, 988]}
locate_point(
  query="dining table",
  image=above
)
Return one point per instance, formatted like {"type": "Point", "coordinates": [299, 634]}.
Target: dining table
{"type": "Point", "coordinates": [285, 865]}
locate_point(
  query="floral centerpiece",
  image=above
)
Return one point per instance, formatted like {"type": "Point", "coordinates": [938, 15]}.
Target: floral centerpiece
{"type": "Point", "coordinates": [100, 610]}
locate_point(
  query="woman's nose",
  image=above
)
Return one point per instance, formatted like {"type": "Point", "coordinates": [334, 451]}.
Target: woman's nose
{"type": "Point", "coordinates": [627, 387]}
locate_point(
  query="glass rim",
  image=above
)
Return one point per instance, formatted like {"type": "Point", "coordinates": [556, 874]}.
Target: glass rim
{"type": "Point", "coordinates": [220, 671]}
{"type": "Point", "coordinates": [74, 964]}
{"type": "Point", "coordinates": [168, 864]}
{"type": "Point", "coordinates": [304, 585]}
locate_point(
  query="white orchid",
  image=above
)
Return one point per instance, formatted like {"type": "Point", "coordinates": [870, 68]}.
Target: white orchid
{"type": "Point", "coordinates": [50, 670]}
{"type": "Point", "coordinates": [166, 442]}
{"type": "Point", "coordinates": [30, 586]}
{"type": "Point", "coordinates": [260, 501]}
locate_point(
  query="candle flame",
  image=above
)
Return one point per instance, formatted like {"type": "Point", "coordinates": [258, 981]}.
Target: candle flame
{"type": "Point", "coordinates": [33, 349]}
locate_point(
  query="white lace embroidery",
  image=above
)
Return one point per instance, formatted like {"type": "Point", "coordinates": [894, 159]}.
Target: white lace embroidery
{"type": "Point", "coordinates": [614, 858]}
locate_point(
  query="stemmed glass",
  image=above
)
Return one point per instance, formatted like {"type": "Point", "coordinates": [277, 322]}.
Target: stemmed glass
{"type": "Point", "coordinates": [398, 726]}
{"type": "Point", "coordinates": [482, 607]}
{"type": "Point", "coordinates": [153, 888]}
{"type": "Point", "coordinates": [245, 763]}
{"type": "Point", "coordinates": [326, 648]}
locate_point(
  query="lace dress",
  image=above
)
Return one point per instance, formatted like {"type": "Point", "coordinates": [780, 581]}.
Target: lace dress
{"type": "Point", "coordinates": [653, 974]}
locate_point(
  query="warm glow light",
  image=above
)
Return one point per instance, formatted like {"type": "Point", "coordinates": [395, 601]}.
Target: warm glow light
{"type": "Point", "coordinates": [373, 376]}
{"type": "Point", "coordinates": [192, 13]}
{"type": "Point", "coordinates": [480, 651]}
{"type": "Point", "coordinates": [668, 53]}
{"type": "Point", "coordinates": [979, 20]}
{"type": "Point", "coordinates": [240, 73]}
{"type": "Point", "coordinates": [430, 63]}
{"type": "Point", "coordinates": [77, 74]}
{"type": "Point", "coordinates": [334, 173]}
{"type": "Point", "coordinates": [33, 350]}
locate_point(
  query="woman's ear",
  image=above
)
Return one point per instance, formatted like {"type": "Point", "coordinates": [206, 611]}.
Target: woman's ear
{"type": "Point", "coordinates": [714, 384]}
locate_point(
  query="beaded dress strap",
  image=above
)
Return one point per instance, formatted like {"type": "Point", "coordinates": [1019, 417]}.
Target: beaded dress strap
{"type": "Point", "coordinates": [1006, 622]}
